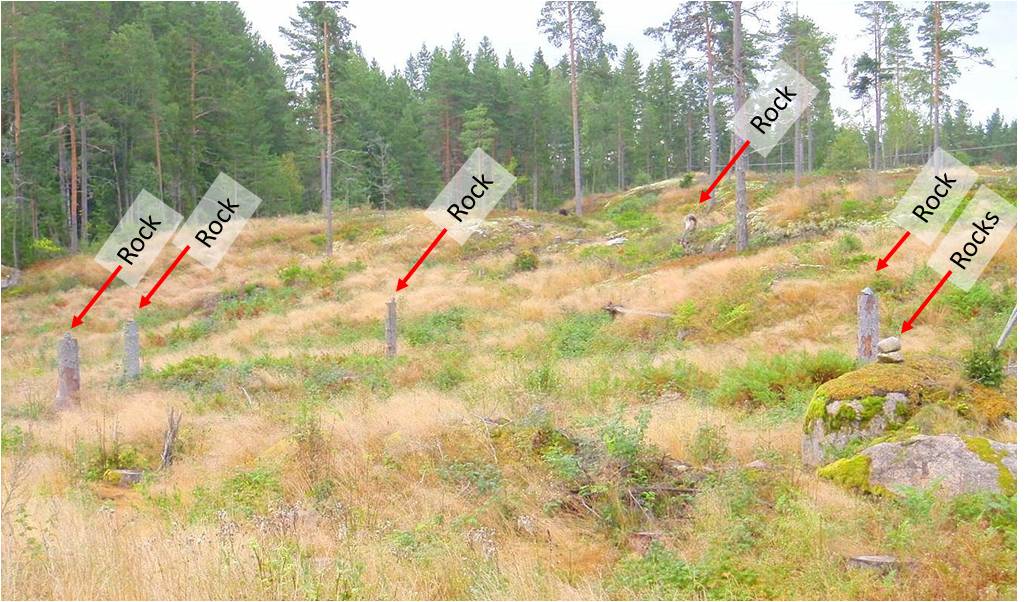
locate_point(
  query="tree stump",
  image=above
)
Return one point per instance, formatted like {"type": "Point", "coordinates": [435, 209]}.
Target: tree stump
{"type": "Point", "coordinates": [133, 364]}
{"type": "Point", "coordinates": [68, 377]}
{"type": "Point", "coordinates": [391, 331]}
{"type": "Point", "coordinates": [868, 325]}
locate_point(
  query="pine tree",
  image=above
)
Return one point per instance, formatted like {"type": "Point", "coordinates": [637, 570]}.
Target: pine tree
{"type": "Point", "coordinates": [944, 32]}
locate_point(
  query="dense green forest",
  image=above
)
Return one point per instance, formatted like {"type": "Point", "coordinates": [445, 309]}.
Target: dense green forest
{"type": "Point", "coordinates": [102, 100]}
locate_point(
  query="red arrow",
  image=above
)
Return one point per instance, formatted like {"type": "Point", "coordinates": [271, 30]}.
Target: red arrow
{"type": "Point", "coordinates": [707, 194]}
{"type": "Point", "coordinates": [404, 282]}
{"type": "Point", "coordinates": [906, 326]}
{"type": "Point", "coordinates": [882, 262]}
{"type": "Point", "coordinates": [76, 320]}
{"type": "Point", "coordinates": [146, 298]}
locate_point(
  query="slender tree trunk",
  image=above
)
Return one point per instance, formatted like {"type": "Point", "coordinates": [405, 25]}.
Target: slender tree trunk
{"type": "Point", "coordinates": [713, 131]}
{"type": "Point", "coordinates": [578, 193]}
{"type": "Point", "coordinates": [536, 179]}
{"type": "Point", "coordinates": [936, 23]}
{"type": "Point", "coordinates": [156, 141]}
{"type": "Point", "coordinates": [19, 198]}
{"type": "Point", "coordinates": [620, 180]}
{"type": "Point", "coordinates": [62, 169]}
{"type": "Point", "coordinates": [811, 149]}
{"type": "Point", "coordinates": [194, 163]}
{"type": "Point", "coordinates": [738, 101]}
{"type": "Point", "coordinates": [690, 142]}
{"type": "Point", "coordinates": [117, 182]}
{"type": "Point", "coordinates": [84, 159]}
{"type": "Point", "coordinates": [324, 191]}
{"type": "Point", "coordinates": [878, 33]}
{"type": "Point", "coordinates": [328, 146]}
{"type": "Point", "coordinates": [73, 180]}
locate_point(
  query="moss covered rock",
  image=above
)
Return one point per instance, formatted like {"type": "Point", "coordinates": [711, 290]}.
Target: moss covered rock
{"type": "Point", "coordinates": [860, 407]}
{"type": "Point", "coordinates": [956, 465]}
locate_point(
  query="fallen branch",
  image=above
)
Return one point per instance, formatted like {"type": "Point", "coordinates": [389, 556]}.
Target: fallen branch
{"type": "Point", "coordinates": [615, 310]}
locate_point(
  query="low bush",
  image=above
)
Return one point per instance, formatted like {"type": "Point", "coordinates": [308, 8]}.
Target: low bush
{"type": "Point", "coordinates": [766, 382]}
{"type": "Point", "coordinates": [525, 262]}
{"type": "Point", "coordinates": [984, 365]}
{"type": "Point", "coordinates": [439, 327]}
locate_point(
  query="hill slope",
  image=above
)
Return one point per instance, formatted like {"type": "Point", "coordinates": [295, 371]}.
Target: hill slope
{"type": "Point", "coordinates": [523, 444]}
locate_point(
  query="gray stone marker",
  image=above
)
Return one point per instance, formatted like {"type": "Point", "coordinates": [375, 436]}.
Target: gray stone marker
{"type": "Point", "coordinates": [68, 377]}
{"type": "Point", "coordinates": [132, 359]}
{"type": "Point", "coordinates": [868, 325]}
{"type": "Point", "coordinates": [391, 330]}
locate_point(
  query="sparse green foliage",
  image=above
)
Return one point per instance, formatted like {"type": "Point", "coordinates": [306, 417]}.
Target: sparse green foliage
{"type": "Point", "coordinates": [985, 365]}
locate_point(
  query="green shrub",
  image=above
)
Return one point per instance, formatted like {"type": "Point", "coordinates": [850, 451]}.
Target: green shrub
{"type": "Point", "coordinates": [542, 379]}
{"type": "Point", "coordinates": [484, 478]}
{"type": "Point", "coordinates": [684, 314]}
{"type": "Point", "coordinates": [575, 335]}
{"type": "Point", "coordinates": [651, 381]}
{"type": "Point", "coordinates": [253, 300]}
{"type": "Point", "coordinates": [438, 327]}
{"type": "Point", "coordinates": [984, 365]}
{"type": "Point", "coordinates": [93, 461]}
{"type": "Point", "coordinates": [768, 381]}
{"type": "Point", "coordinates": [449, 376]}
{"type": "Point", "coordinates": [194, 371]}
{"type": "Point", "coordinates": [525, 262]}
{"type": "Point", "coordinates": [622, 440]}
{"type": "Point", "coordinates": [687, 180]}
{"type": "Point", "coordinates": [631, 213]}
{"type": "Point", "coordinates": [244, 494]}
{"type": "Point", "coordinates": [563, 462]}
{"type": "Point", "coordinates": [709, 445]}
{"type": "Point", "coordinates": [998, 511]}
{"type": "Point", "coordinates": [660, 574]}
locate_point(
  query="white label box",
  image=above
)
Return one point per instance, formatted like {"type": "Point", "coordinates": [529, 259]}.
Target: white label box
{"type": "Point", "coordinates": [934, 195]}
{"type": "Point", "coordinates": [138, 238]}
{"type": "Point", "coordinates": [217, 221]}
{"type": "Point", "coordinates": [976, 237]}
{"type": "Point", "coordinates": [470, 195]}
{"type": "Point", "coordinates": [766, 116]}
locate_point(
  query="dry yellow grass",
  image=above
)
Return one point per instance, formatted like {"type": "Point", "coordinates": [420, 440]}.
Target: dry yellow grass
{"type": "Point", "coordinates": [397, 485]}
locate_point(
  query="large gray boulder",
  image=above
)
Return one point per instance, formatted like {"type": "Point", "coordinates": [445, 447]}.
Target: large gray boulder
{"type": "Point", "coordinates": [955, 464]}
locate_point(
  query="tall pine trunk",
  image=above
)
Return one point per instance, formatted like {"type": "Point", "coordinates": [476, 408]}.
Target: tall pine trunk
{"type": "Point", "coordinates": [84, 159]}
{"type": "Point", "coordinates": [878, 33]}
{"type": "Point", "coordinates": [156, 143]}
{"type": "Point", "coordinates": [936, 31]}
{"type": "Point", "coordinates": [578, 193]}
{"type": "Point", "coordinates": [713, 133]}
{"type": "Point", "coordinates": [328, 147]}
{"type": "Point", "coordinates": [738, 101]}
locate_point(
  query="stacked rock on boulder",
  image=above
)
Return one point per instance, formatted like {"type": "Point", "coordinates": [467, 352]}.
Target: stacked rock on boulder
{"type": "Point", "coordinates": [889, 351]}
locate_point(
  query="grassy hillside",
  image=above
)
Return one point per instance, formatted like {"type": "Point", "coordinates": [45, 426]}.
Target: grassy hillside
{"type": "Point", "coordinates": [523, 444]}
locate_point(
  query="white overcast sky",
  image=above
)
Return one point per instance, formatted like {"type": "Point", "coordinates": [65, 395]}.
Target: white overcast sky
{"type": "Point", "coordinates": [389, 31]}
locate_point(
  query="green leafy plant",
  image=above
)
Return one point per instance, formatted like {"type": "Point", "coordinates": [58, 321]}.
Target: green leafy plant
{"type": "Point", "coordinates": [985, 365]}
{"type": "Point", "coordinates": [525, 262]}
{"type": "Point", "coordinates": [709, 445]}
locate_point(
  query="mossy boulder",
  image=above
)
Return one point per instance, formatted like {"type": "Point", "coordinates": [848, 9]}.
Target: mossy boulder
{"type": "Point", "coordinates": [954, 464]}
{"type": "Point", "coordinates": [861, 407]}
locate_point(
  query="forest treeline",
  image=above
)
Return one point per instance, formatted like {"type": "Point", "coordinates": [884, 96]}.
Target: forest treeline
{"type": "Point", "coordinates": [102, 100]}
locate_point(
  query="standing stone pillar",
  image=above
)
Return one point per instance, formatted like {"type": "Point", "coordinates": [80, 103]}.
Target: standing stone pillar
{"type": "Point", "coordinates": [391, 331]}
{"type": "Point", "coordinates": [868, 325]}
{"type": "Point", "coordinates": [68, 377]}
{"type": "Point", "coordinates": [132, 360]}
